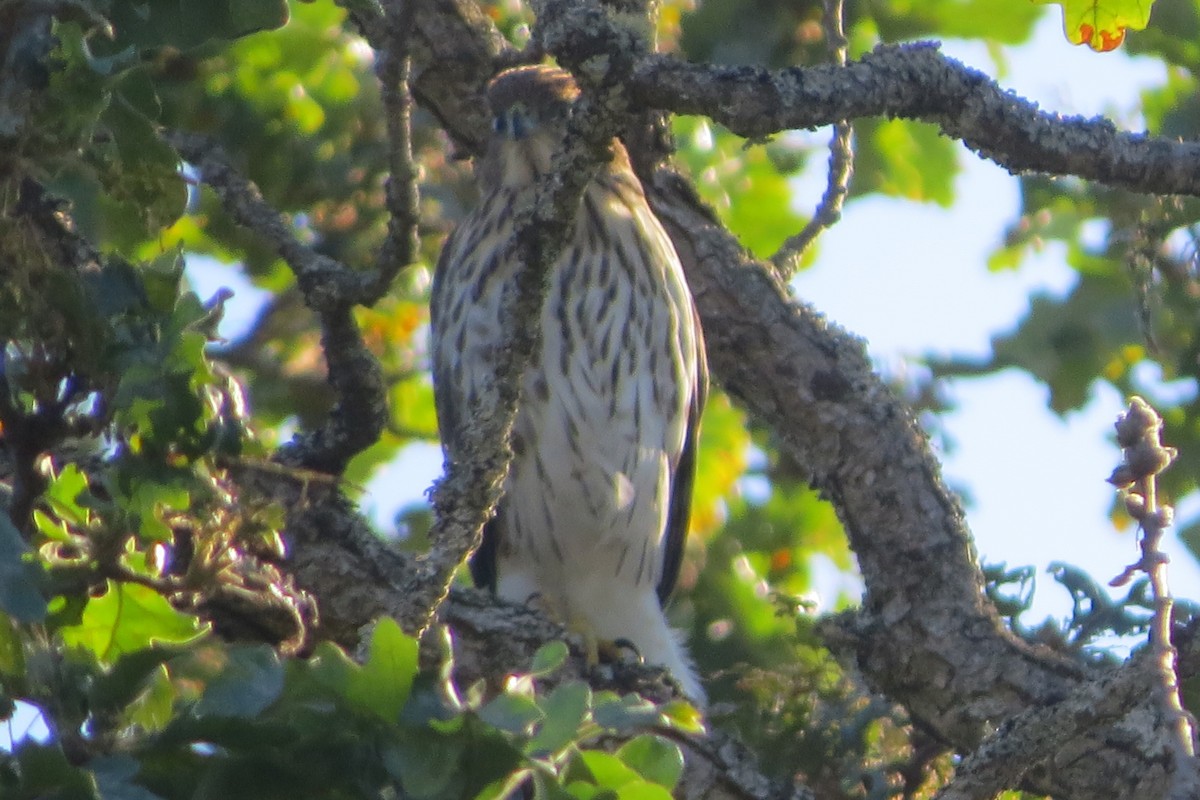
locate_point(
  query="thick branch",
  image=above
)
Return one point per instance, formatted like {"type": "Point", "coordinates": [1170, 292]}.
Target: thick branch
{"type": "Point", "coordinates": [1029, 738]}
{"type": "Point", "coordinates": [918, 82]}
{"type": "Point", "coordinates": [910, 81]}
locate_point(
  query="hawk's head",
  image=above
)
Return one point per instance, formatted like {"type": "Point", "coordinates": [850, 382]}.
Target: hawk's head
{"type": "Point", "coordinates": [530, 108]}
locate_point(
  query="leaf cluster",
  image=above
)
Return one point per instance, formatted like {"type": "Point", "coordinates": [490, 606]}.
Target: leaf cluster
{"type": "Point", "coordinates": [200, 719]}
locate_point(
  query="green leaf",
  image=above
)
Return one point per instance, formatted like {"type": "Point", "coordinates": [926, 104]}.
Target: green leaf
{"type": "Point", "coordinates": [607, 770]}
{"type": "Point", "coordinates": [12, 653]}
{"type": "Point", "coordinates": [114, 778]}
{"type": "Point", "coordinates": [565, 710]}
{"type": "Point", "coordinates": [144, 191]}
{"type": "Point", "coordinates": [427, 765]}
{"type": "Point", "coordinates": [626, 713]}
{"type": "Point", "coordinates": [1102, 24]}
{"type": "Point", "coordinates": [655, 758]}
{"type": "Point", "coordinates": [154, 708]}
{"type": "Point", "coordinates": [901, 158]}
{"type": "Point", "coordinates": [642, 790]}
{"type": "Point", "coordinates": [128, 678]}
{"type": "Point", "coordinates": [383, 684]}
{"type": "Point", "coordinates": [158, 23]}
{"type": "Point", "coordinates": [250, 681]}
{"type": "Point", "coordinates": [52, 529]}
{"type": "Point", "coordinates": [740, 179]}
{"type": "Point", "coordinates": [46, 772]}
{"type": "Point", "coordinates": [1072, 342]}
{"type": "Point", "coordinates": [992, 20]}
{"type": "Point", "coordinates": [63, 495]}
{"type": "Point", "coordinates": [512, 713]}
{"type": "Point", "coordinates": [548, 658]}
{"type": "Point", "coordinates": [162, 280]}
{"type": "Point", "coordinates": [20, 596]}
{"type": "Point", "coordinates": [329, 667]}
{"type": "Point", "coordinates": [148, 501]}
{"type": "Point", "coordinates": [129, 617]}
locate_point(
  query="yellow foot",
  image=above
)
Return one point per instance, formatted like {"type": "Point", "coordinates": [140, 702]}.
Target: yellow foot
{"type": "Point", "coordinates": [596, 649]}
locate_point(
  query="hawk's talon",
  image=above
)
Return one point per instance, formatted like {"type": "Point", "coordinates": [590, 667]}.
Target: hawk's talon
{"type": "Point", "coordinates": [618, 649]}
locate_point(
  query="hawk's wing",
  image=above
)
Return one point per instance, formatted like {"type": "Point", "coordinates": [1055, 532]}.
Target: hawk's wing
{"type": "Point", "coordinates": [680, 510]}
{"type": "Point", "coordinates": [483, 560]}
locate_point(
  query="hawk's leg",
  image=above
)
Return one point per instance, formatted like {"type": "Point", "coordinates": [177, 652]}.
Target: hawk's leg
{"type": "Point", "coordinates": [596, 649]}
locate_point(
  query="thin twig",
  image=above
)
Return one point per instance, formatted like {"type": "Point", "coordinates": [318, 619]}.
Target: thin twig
{"type": "Point", "coordinates": [360, 412]}
{"type": "Point", "coordinates": [841, 162]}
{"type": "Point", "coordinates": [403, 194]}
{"type": "Point", "coordinates": [1139, 433]}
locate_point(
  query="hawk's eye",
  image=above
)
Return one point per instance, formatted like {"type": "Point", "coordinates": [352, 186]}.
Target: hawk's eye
{"type": "Point", "coordinates": [519, 122]}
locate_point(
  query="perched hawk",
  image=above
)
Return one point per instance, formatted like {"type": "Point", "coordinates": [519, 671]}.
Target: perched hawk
{"type": "Point", "coordinates": [596, 503]}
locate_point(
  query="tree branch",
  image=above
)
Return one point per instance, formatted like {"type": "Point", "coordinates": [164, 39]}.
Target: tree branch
{"type": "Point", "coordinates": [1139, 433]}
{"type": "Point", "coordinates": [403, 198]}
{"type": "Point", "coordinates": [841, 162]}
{"type": "Point", "coordinates": [1028, 739]}
{"type": "Point", "coordinates": [331, 290]}
{"type": "Point", "coordinates": [917, 82]}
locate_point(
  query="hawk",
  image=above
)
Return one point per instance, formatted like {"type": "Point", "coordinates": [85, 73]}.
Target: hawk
{"type": "Point", "coordinates": [596, 502]}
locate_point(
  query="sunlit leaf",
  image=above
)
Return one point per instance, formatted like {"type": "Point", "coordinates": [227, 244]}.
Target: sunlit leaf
{"type": "Point", "coordinates": [900, 158]}
{"type": "Point", "coordinates": [1102, 24]}
{"type": "Point", "coordinates": [741, 180]}
{"type": "Point", "coordinates": [655, 758]}
{"type": "Point", "coordinates": [63, 494]}
{"type": "Point", "coordinates": [128, 617]}
{"type": "Point", "coordinates": [548, 658]}
{"type": "Point", "coordinates": [608, 770]}
{"type": "Point", "coordinates": [383, 684]}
